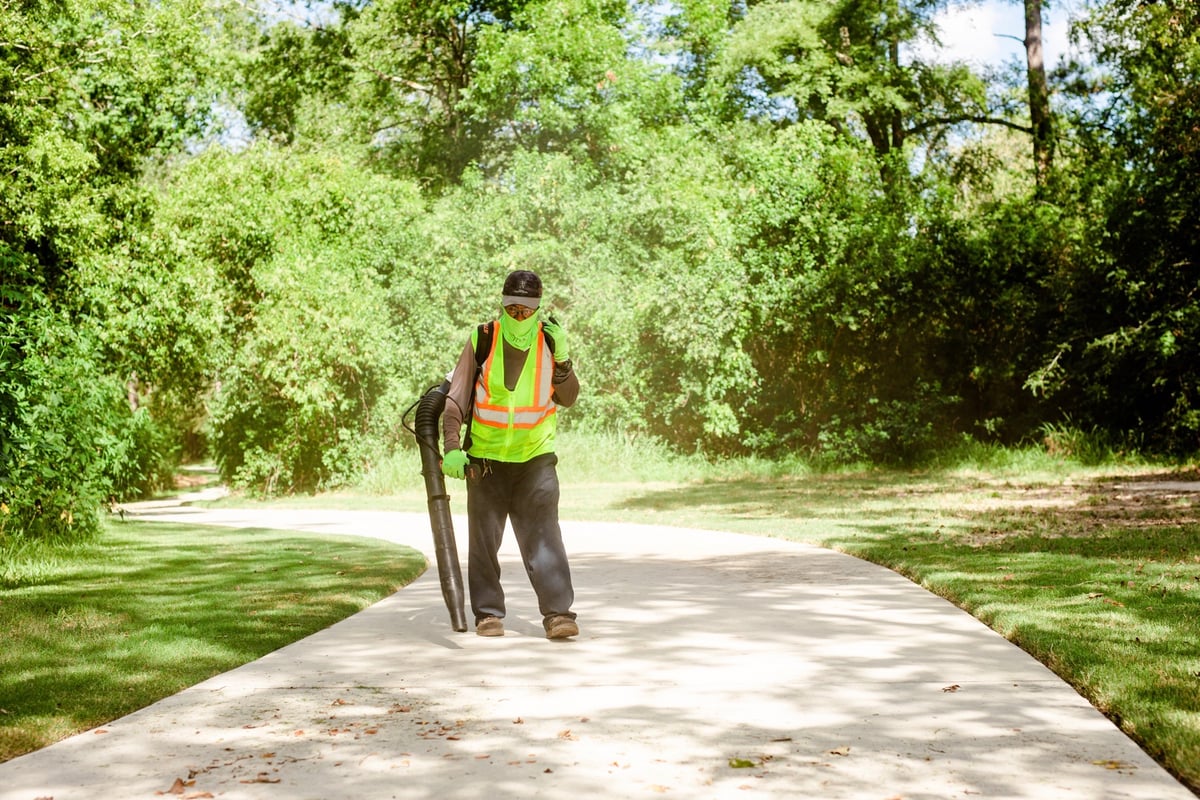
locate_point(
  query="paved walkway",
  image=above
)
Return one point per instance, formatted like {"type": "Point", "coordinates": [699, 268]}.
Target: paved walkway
{"type": "Point", "coordinates": [709, 665]}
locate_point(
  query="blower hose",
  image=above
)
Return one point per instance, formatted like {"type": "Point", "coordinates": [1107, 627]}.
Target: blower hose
{"type": "Point", "coordinates": [429, 412]}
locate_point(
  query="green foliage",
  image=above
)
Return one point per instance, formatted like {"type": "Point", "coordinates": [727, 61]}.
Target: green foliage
{"type": "Point", "coordinates": [896, 432]}
{"type": "Point", "coordinates": [91, 92]}
{"type": "Point", "coordinates": [840, 63]}
{"type": "Point", "coordinates": [295, 406]}
{"type": "Point", "coordinates": [297, 273]}
{"type": "Point", "coordinates": [1125, 358]}
{"type": "Point", "coordinates": [291, 68]}
{"type": "Point", "coordinates": [51, 474]}
{"type": "Point", "coordinates": [724, 202]}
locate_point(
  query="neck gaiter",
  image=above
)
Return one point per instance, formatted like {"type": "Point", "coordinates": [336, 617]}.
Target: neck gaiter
{"type": "Point", "coordinates": [519, 333]}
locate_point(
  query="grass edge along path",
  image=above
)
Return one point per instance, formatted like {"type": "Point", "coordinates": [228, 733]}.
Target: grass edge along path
{"type": "Point", "coordinates": [151, 608]}
{"type": "Point", "coordinates": [1097, 580]}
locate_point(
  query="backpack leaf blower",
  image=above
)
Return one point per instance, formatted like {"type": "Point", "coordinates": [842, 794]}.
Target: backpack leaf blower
{"type": "Point", "coordinates": [429, 412]}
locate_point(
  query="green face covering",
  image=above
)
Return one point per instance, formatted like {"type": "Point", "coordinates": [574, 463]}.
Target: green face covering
{"type": "Point", "coordinates": [519, 333]}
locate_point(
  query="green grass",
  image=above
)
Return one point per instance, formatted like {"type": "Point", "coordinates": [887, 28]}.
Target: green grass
{"type": "Point", "coordinates": [96, 631]}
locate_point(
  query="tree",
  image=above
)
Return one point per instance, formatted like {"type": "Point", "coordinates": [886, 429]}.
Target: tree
{"type": "Point", "coordinates": [841, 63]}
{"type": "Point", "coordinates": [1041, 120]}
{"type": "Point", "coordinates": [415, 63]}
{"type": "Point", "coordinates": [91, 93]}
{"type": "Point", "coordinates": [1125, 356]}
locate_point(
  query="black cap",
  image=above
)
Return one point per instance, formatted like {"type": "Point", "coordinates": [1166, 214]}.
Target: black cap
{"type": "Point", "coordinates": [522, 283]}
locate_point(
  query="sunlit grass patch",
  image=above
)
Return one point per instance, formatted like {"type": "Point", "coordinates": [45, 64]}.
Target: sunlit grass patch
{"type": "Point", "coordinates": [150, 609]}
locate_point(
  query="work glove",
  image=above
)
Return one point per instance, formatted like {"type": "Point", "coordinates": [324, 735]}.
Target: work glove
{"type": "Point", "coordinates": [454, 464]}
{"type": "Point", "coordinates": [556, 332]}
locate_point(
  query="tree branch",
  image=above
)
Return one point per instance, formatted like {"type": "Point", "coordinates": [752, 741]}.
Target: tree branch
{"type": "Point", "coordinates": [403, 81]}
{"type": "Point", "coordinates": [930, 123]}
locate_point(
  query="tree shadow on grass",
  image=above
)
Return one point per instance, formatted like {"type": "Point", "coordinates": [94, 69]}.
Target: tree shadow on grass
{"type": "Point", "coordinates": [151, 610]}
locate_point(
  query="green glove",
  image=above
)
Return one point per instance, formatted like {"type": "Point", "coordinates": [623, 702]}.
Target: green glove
{"type": "Point", "coordinates": [454, 464]}
{"type": "Point", "coordinates": [556, 332]}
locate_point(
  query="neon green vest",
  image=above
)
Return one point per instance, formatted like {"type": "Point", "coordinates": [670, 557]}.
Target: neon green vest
{"type": "Point", "coordinates": [518, 425]}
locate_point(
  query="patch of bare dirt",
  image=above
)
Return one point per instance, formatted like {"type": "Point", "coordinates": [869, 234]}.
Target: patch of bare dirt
{"type": "Point", "coordinates": [1083, 510]}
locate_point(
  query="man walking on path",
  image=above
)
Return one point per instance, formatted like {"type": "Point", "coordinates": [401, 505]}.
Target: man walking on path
{"type": "Point", "coordinates": [510, 377]}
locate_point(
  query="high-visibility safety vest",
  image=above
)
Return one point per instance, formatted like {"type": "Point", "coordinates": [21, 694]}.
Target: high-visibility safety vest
{"type": "Point", "coordinates": [519, 424]}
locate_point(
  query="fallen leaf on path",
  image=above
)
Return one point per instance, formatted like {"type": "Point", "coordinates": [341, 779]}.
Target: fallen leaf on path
{"type": "Point", "coordinates": [99, 731]}
{"type": "Point", "coordinates": [740, 763]}
{"type": "Point", "coordinates": [840, 751]}
{"type": "Point", "coordinates": [262, 777]}
{"type": "Point", "coordinates": [568, 735]}
{"type": "Point", "coordinates": [782, 739]}
{"type": "Point", "coordinates": [177, 787]}
{"type": "Point", "coordinates": [1113, 764]}
{"type": "Point", "coordinates": [518, 721]}
{"type": "Point", "coordinates": [953, 688]}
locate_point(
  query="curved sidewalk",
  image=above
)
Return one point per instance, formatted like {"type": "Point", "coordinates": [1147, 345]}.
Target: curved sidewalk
{"type": "Point", "coordinates": [709, 665]}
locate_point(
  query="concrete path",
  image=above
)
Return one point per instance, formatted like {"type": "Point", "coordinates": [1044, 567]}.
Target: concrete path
{"type": "Point", "coordinates": [709, 665]}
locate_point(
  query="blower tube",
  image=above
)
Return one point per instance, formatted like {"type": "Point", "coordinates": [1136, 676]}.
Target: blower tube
{"type": "Point", "coordinates": [429, 411]}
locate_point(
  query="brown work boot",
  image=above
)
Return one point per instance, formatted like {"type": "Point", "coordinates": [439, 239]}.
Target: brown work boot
{"type": "Point", "coordinates": [490, 626]}
{"type": "Point", "coordinates": [560, 626]}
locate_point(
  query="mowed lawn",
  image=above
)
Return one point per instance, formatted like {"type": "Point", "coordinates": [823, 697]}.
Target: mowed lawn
{"type": "Point", "coordinates": [96, 631]}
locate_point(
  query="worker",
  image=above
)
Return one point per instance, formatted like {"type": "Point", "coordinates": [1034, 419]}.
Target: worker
{"type": "Point", "coordinates": [510, 378]}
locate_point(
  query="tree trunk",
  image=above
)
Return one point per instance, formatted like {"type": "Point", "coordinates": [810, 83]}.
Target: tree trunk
{"type": "Point", "coordinates": [1039, 94]}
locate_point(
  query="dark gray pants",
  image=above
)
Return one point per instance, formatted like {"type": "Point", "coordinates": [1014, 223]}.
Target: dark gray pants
{"type": "Point", "coordinates": [526, 494]}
